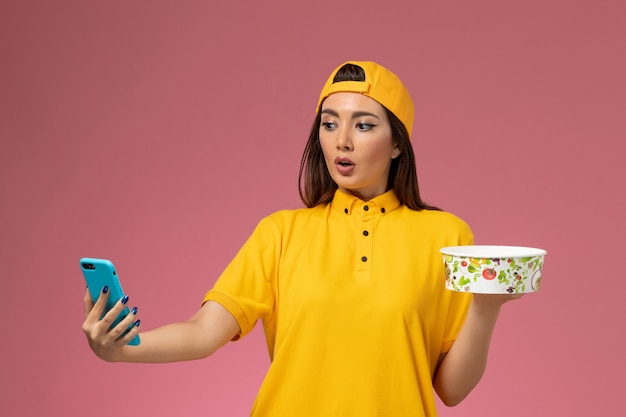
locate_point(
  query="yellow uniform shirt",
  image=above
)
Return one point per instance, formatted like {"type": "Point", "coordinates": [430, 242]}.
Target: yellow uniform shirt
{"type": "Point", "coordinates": [353, 304]}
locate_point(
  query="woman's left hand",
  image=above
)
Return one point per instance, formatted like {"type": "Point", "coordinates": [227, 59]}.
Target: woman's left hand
{"type": "Point", "coordinates": [494, 300]}
{"type": "Point", "coordinates": [463, 366]}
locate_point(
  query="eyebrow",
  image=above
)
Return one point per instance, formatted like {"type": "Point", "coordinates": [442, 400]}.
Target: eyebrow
{"type": "Point", "coordinates": [355, 115]}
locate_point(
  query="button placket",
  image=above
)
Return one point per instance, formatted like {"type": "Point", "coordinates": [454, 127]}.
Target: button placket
{"type": "Point", "coordinates": [365, 243]}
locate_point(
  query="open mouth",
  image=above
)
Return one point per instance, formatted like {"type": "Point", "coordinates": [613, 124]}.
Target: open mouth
{"type": "Point", "coordinates": [344, 162]}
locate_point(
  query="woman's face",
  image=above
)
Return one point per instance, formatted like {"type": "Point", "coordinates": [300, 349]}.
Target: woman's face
{"type": "Point", "coordinates": [355, 136]}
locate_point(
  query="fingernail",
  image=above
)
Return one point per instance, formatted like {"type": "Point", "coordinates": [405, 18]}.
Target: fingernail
{"type": "Point", "coordinates": [105, 289]}
{"type": "Point", "coordinates": [133, 311]}
{"type": "Point", "coordinates": [125, 299]}
{"type": "Point", "coordinates": [137, 323]}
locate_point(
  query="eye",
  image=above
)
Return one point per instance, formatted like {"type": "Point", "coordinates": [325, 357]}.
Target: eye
{"type": "Point", "coordinates": [329, 125]}
{"type": "Point", "coordinates": [364, 127]}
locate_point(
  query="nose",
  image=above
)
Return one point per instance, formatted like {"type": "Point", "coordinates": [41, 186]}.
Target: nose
{"type": "Point", "coordinates": [344, 139]}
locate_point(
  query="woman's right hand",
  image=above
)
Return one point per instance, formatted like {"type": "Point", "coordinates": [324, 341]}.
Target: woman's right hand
{"type": "Point", "coordinates": [105, 342]}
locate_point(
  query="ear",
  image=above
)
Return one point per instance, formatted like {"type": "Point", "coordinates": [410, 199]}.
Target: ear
{"type": "Point", "coordinates": [396, 151]}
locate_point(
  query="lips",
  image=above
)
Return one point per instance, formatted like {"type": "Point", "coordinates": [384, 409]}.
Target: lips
{"type": "Point", "coordinates": [344, 165]}
{"type": "Point", "coordinates": [343, 161]}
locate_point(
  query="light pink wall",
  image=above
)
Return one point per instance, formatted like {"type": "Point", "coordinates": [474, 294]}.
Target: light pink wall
{"type": "Point", "coordinates": [157, 134]}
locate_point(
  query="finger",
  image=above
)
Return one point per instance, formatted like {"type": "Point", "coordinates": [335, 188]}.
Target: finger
{"type": "Point", "coordinates": [124, 325]}
{"type": "Point", "coordinates": [134, 331]}
{"type": "Point", "coordinates": [97, 309]}
{"type": "Point", "coordinates": [111, 315]}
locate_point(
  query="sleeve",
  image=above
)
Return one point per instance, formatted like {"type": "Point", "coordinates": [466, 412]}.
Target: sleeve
{"type": "Point", "coordinates": [246, 287]}
{"type": "Point", "coordinates": [459, 302]}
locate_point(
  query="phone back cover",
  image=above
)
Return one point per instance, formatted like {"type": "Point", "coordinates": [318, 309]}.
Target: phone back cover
{"type": "Point", "coordinates": [103, 273]}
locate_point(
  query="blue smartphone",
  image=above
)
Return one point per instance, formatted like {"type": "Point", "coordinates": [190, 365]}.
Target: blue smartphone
{"type": "Point", "coordinates": [101, 272]}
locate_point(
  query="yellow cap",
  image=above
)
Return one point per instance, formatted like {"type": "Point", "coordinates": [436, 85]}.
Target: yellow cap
{"type": "Point", "coordinates": [380, 84]}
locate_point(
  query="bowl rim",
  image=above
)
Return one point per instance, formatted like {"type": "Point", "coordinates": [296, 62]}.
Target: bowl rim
{"type": "Point", "coordinates": [492, 251]}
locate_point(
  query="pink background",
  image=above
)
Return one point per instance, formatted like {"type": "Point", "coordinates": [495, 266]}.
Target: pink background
{"type": "Point", "coordinates": [157, 134]}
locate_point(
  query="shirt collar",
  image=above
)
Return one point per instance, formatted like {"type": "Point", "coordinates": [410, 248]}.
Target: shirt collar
{"type": "Point", "coordinates": [347, 203]}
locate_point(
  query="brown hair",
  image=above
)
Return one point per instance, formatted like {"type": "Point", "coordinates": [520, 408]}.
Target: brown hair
{"type": "Point", "coordinates": [316, 186]}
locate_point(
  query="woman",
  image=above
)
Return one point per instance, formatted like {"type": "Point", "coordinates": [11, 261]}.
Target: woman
{"type": "Point", "coordinates": [350, 290]}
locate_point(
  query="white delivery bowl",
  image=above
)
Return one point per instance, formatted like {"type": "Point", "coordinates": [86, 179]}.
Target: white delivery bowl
{"type": "Point", "coordinates": [493, 269]}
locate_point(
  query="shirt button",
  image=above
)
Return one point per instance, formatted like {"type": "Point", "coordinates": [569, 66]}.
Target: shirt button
{"type": "Point", "coordinates": [365, 233]}
{"type": "Point", "coordinates": [366, 208]}
{"type": "Point", "coordinates": [345, 210]}
{"type": "Point", "coordinates": [364, 259]}
{"type": "Point", "coordinates": [382, 210]}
